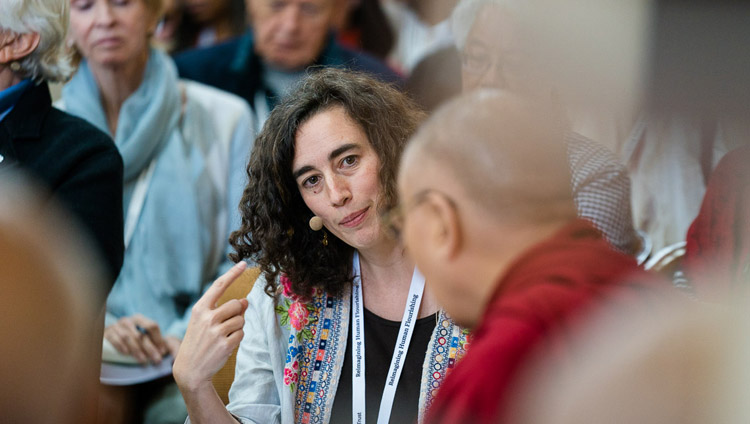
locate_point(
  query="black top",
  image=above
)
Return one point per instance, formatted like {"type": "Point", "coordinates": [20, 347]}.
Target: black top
{"type": "Point", "coordinates": [380, 342]}
{"type": "Point", "coordinates": [77, 163]}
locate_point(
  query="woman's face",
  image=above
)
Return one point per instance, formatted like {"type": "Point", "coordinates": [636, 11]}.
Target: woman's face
{"type": "Point", "coordinates": [336, 170]}
{"type": "Point", "coordinates": [111, 32]}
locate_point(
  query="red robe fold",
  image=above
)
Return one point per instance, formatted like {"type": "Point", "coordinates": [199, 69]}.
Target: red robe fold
{"type": "Point", "coordinates": [717, 257]}
{"type": "Point", "coordinates": [532, 308]}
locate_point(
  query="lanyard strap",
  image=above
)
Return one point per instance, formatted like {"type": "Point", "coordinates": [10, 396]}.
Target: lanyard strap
{"type": "Point", "coordinates": [416, 289]}
{"type": "Point", "coordinates": [137, 200]}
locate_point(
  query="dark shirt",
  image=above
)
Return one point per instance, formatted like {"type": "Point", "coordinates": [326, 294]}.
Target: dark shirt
{"type": "Point", "coordinates": [78, 164]}
{"type": "Point", "coordinates": [10, 96]}
{"type": "Point", "coordinates": [380, 342]}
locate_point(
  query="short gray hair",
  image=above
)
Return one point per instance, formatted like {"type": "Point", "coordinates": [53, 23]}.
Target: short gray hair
{"type": "Point", "coordinates": [50, 61]}
{"type": "Point", "coordinates": [464, 15]}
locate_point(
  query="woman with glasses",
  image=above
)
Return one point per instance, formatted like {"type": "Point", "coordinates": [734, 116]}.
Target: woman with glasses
{"type": "Point", "coordinates": [340, 329]}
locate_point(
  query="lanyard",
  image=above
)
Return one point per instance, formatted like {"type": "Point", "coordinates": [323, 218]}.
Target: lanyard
{"type": "Point", "coordinates": [399, 353]}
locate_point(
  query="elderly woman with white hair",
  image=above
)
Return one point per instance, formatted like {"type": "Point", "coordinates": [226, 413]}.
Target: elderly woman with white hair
{"type": "Point", "coordinates": [75, 162]}
{"type": "Point", "coordinates": [184, 147]}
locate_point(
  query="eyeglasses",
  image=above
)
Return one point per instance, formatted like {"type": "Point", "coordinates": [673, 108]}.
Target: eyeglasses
{"type": "Point", "coordinates": [504, 66]}
{"type": "Point", "coordinates": [394, 218]}
{"type": "Point", "coordinates": [476, 63]}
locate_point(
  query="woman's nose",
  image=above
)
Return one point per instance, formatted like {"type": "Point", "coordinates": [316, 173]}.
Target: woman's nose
{"type": "Point", "coordinates": [103, 13]}
{"type": "Point", "coordinates": [338, 190]}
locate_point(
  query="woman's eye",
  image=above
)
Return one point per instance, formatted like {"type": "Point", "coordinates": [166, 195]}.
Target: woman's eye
{"type": "Point", "coordinates": [349, 161]}
{"type": "Point", "coordinates": [311, 181]}
{"type": "Point", "coordinates": [81, 5]}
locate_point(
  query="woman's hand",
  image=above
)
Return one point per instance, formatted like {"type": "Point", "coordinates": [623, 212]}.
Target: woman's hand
{"type": "Point", "coordinates": [212, 334]}
{"type": "Point", "coordinates": [139, 337]}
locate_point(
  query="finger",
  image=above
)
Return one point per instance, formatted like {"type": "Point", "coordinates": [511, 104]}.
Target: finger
{"type": "Point", "coordinates": [234, 339]}
{"type": "Point", "coordinates": [118, 334]}
{"type": "Point", "coordinates": [134, 346]}
{"type": "Point", "coordinates": [116, 341]}
{"type": "Point", "coordinates": [151, 350]}
{"type": "Point", "coordinates": [219, 286]}
{"type": "Point", "coordinates": [133, 339]}
{"type": "Point", "coordinates": [153, 331]}
{"type": "Point", "coordinates": [228, 310]}
{"type": "Point", "coordinates": [231, 325]}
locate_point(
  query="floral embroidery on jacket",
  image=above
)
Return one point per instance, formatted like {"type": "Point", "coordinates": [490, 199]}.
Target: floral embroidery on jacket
{"type": "Point", "coordinates": [295, 314]}
{"type": "Point", "coordinates": [294, 311]}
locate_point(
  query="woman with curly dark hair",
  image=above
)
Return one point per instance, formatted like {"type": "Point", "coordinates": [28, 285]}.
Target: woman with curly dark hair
{"type": "Point", "coordinates": [321, 174]}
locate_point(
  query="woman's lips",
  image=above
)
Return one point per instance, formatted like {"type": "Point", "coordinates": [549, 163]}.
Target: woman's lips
{"type": "Point", "coordinates": [108, 42]}
{"type": "Point", "coordinates": [352, 220]}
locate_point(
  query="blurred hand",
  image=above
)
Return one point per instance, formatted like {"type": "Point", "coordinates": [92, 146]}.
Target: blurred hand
{"type": "Point", "coordinates": [144, 346]}
{"type": "Point", "coordinates": [212, 334]}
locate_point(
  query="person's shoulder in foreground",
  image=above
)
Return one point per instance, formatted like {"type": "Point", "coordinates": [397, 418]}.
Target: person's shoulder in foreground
{"type": "Point", "coordinates": [77, 162]}
{"type": "Point", "coordinates": [492, 224]}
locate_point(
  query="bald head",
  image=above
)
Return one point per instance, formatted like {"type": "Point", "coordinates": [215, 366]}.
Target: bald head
{"type": "Point", "coordinates": [506, 153]}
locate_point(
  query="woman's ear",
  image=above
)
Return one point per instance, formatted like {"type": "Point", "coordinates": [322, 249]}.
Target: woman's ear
{"type": "Point", "coordinates": [14, 47]}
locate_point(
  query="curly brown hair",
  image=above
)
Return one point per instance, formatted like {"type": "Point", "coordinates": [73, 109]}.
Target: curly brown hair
{"type": "Point", "coordinates": [275, 231]}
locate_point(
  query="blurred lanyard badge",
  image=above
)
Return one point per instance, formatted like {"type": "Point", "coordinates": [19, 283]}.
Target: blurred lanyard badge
{"type": "Point", "coordinates": [405, 332]}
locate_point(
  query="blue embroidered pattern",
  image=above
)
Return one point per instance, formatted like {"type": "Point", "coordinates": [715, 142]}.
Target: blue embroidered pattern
{"type": "Point", "coordinates": [448, 346]}
{"type": "Point", "coordinates": [318, 367]}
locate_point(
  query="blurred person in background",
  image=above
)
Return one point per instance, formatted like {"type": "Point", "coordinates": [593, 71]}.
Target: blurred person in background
{"type": "Point", "coordinates": [717, 256]}
{"type": "Point", "coordinates": [492, 224]}
{"type": "Point", "coordinates": [184, 147]}
{"type": "Point", "coordinates": [208, 22]}
{"type": "Point", "coordinates": [76, 163]}
{"type": "Point", "coordinates": [362, 25]}
{"type": "Point", "coordinates": [490, 43]}
{"type": "Point", "coordinates": [286, 38]}
{"type": "Point", "coordinates": [421, 28]}
{"type": "Point", "coordinates": [670, 159]}
{"type": "Point", "coordinates": [51, 282]}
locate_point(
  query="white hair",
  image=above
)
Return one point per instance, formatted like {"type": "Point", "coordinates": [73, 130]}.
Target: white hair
{"type": "Point", "coordinates": [49, 18]}
{"type": "Point", "coordinates": [464, 15]}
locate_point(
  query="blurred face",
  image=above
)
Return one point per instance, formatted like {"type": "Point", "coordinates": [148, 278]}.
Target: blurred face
{"type": "Point", "coordinates": [290, 34]}
{"type": "Point", "coordinates": [336, 170]}
{"type": "Point", "coordinates": [111, 32]}
{"type": "Point", "coordinates": [490, 58]}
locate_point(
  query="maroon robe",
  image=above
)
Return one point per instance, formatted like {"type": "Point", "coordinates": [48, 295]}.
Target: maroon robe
{"type": "Point", "coordinates": [533, 307]}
